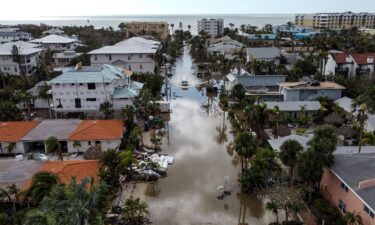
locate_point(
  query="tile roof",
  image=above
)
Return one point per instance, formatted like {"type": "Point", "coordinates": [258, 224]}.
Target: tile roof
{"type": "Point", "coordinates": [98, 130]}
{"type": "Point", "coordinates": [361, 58]}
{"type": "Point", "coordinates": [53, 39]}
{"type": "Point", "coordinates": [14, 131]}
{"type": "Point", "coordinates": [340, 58]}
{"type": "Point", "coordinates": [73, 168]}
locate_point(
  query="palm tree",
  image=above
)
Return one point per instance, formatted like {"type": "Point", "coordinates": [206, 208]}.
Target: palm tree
{"type": "Point", "coordinates": [189, 27]}
{"type": "Point", "coordinates": [353, 218]}
{"type": "Point", "coordinates": [172, 26]}
{"type": "Point", "coordinates": [245, 147]}
{"type": "Point", "coordinates": [53, 144]}
{"type": "Point", "coordinates": [77, 145]}
{"type": "Point", "coordinates": [107, 109]}
{"type": "Point", "coordinates": [289, 154]}
{"type": "Point", "coordinates": [41, 185]}
{"type": "Point", "coordinates": [240, 59]}
{"type": "Point", "coordinates": [231, 25]}
{"type": "Point", "coordinates": [277, 114]}
{"type": "Point", "coordinates": [135, 211]}
{"type": "Point", "coordinates": [273, 207]}
{"type": "Point", "coordinates": [362, 118]}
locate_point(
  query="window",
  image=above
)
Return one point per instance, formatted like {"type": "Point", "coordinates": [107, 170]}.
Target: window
{"type": "Point", "coordinates": [77, 102]}
{"type": "Point", "coordinates": [80, 84]}
{"type": "Point", "coordinates": [91, 99]}
{"type": "Point", "coordinates": [129, 58]}
{"type": "Point", "coordinates": [72, 84]}
{"type": "Point", "coordinates": [368, 211]}
{"type": "Point", "coordinates": [91, 86]}
{"type": "Point", "coordinates": [15, 69]}
{"type": "Point", "coordinates": [129, 67]}
{"type": "Point", "coordinates": [97, 142]}
{"type": "Point", "coordinates": [95, 57]}
{"type": "Point", "coordinates": [140, 67]}
{"type": "Point", "coordinates": [344, 187]}
{"type": "Point", "coordinates": [342, 206]}
{"type": "Point", "coordinates": [110, 57]}
{"type": "Point", "coordinates": [107, 84]}
{"type": "Point", "coordinates": [140, 56]}
{"type": "Point", "coordinates": [89, 142]}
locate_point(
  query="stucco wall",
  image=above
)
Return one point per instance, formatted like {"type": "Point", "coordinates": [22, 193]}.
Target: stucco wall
{"type": "Point", "coordinates": [104, 144]}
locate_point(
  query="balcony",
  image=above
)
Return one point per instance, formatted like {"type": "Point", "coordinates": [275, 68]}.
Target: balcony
{"type": "Point", "coordinates": [342, 70]}
{"type": "Point", "coordinates": [362, 71]}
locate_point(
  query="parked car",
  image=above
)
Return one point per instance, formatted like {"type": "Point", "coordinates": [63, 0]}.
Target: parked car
{"type": "Point", "coordinates": [40, 157]}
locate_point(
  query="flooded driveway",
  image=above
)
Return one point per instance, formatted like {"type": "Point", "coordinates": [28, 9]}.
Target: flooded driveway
{"type": "Point", "coordinates": [198, 141]}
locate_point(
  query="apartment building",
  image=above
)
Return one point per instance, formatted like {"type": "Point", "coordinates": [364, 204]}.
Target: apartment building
{"type": "Point", "coordinates": [214, 27]}
{"type": "Point", "coordinates": [334, 21]}
{"type": "Point", "coordinates": [13, 34]}
{"type": "Point", "coordinates": [147, 28]}
{"type": "Point", "coordinates": [29, 58]}
{"type": "Point", "coordinates": [135, 54]}
{"type": "Point", "coordinates": [83, 89]}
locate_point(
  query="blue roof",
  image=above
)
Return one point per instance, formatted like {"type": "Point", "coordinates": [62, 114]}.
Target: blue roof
{"type": "Point", "coordinates": [90, 74]}
{"type": "Point", "coordinates": [125, 92]}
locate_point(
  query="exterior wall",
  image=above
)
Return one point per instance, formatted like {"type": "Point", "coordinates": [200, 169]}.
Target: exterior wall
{"type": "Point", "coordinates": [141, 63]}
{"type": "Point", "coordinates": [369, 67]}
{"type": "Point", "coordinates": [309, 95]}
{"type": "Point", "coordinates": [18, 148]}
{"type": "Point", "coordinates": [16, 37]}
{"type": "Point", "coordinates": [336, 20]}
{"type": "Point", "coordinates": [29, 62]}
{"type": "Point", "coordinates": [121, 103]}
{"type": "Point", "coordinates": [215, 27]}
{"type": "Point", "coordinates": [333, 192]}
{"type": "Point", "coordinates": [104, 144]}
{"type": "Point", "coordinates": [59, 47]}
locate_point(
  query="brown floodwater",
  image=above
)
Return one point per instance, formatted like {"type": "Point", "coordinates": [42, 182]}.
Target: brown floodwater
{"type": "Point", "coordinates": [198, 140]}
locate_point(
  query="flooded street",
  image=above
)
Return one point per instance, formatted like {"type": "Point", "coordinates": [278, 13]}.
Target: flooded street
{"type": "Point", "coordinates": [198, 141]}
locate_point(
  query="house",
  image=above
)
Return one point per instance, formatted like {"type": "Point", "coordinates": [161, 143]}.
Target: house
{"type": "Point", "coordinates": [260, 36]}
{"type": "Point", "coordinates": [214, 27]}
{"type": "Point", "coordinates": [38, 102]}
{"type": "Point", "coordinates": [309, 91]}
{"type": "Point", "coordinates": [11, 134]}
{"type": "Point", "coordinates": [295, 108]}
{"type": "Point", "coordinates": [105, 133]}
{"type": "Point", "coordinates": [291, 29]}
{"type": "Point", "coordinates": [11, 34]}
{"type": "Point", "coordinates": [349, 184]}
{"type": "Point", "coordinates": [147, 28]}
{"type": "Point", "coordinates": [79, 169]}
{"type": "Point", "coordinates": [278, 142]}
{"type": "Point", "coordinates": [136, 54]}
{"type": "Point", "coordinates": [264, 86]}
{"type": "Point", "coordinates": [83, 89]}
{"type": "Point", "coordinates": [29, 58]}
{"type": "Point", "coordinates": [363, 63]}
{"type": "Point", "coordinates": [56, 43]}
{"type": "Point", "coordinates": [339, 63]}
{"type": "Point", "coordinates": [225, 46]}
{"type": "Point", "coordinates": [59, 128]}
{"type": "Point", "coordinates": [53, 30]}
{"type": "Point", "coordinates": [64, 58]}
{"type": "Point", "coordinates": [269, 54]}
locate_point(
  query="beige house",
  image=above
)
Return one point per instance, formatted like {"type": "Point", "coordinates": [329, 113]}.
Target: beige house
{"type": "Point", "coordinates": [147, 28]}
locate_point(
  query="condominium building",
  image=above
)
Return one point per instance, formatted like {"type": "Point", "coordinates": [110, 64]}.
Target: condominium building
{"type": "Point", "coordinates": [147, 28]}
{"type": "Point", "coordinates": [215, 27]}
{"type": "Point", "coordinates": [343, 20]}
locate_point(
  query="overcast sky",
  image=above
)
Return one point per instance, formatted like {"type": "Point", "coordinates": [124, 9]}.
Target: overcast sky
{"type": "Point", "coordinates": [32, 9]}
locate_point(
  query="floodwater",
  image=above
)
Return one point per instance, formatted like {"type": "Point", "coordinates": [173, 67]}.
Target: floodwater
{"type": "Point", "coordinates": [198, 140]}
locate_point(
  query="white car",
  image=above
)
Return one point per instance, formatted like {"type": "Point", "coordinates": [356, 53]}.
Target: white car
{"type": "Point", "coordinates": [40, 157]}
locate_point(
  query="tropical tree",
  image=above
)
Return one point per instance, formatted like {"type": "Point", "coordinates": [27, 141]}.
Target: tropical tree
{"type": "Point", "coordinates": [172, 26]}
{"type": "Point", "coordinates": [361, 119]}
{"type": "Point", "coordinates": [135, 211]}
{"type": "Point", "coordinates": [189, 27]}
{"type": "Point", "coordinates": [273, 207]}
{"type": "Point", "coordinates": [277, 115]}
{"type": "Point", "coordinates": [240, 59]}
{"type": "Point", "coordinates": [41, 186]}
{"type": "Point", "coordinates": [77, 145]}
{"type": "Point", "coordinates": [289, 154]}
{"type": "Point", "coordinates": [238, 92]}
{"type": "Point", "coordinates": [126, 161]}
{"type": "Point", "coordinates": [353, 218]}
{"type": "Point", "coordinates": [107, 109]}
{"type": "Point", "coordinates": [246, 147]}
{"type": "Point", "coordinates": [53, 145]}
{"type": "Point", "coordinates": [17, 58]}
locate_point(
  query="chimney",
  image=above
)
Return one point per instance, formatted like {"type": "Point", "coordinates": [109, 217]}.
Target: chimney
{"type": "Point", "coordinates": [78, 66]}
{"type": "Point", "coordinates": [366, 183]}
{"type": "Point", "coordinates": [370, 60]}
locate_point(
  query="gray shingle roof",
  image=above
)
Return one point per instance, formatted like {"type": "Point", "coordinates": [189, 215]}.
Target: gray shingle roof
{"type": "Point", "coordinates": [293, 106]}
{"type": "Point", "coordinates": [264, 53]}
{"type": "Point", "coordinates": [276, 143]}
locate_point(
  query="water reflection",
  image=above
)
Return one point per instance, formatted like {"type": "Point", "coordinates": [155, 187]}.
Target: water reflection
{"type": "Point", "coordinates": [199, 141]}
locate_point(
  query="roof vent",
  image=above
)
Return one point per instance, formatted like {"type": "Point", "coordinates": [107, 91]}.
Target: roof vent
{"type": "Point", "coordinates": [78, 66]}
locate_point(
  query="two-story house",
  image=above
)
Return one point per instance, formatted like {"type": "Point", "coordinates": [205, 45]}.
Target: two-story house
{"type": "Point", "coordinates": [309, 91]}
{"type": "Point", "coordinates": [11, 34]}
{"type": "Point", "coordinates": [363, 63]}
{"type": "Point", "coordinates": [135, 54]}
{"type": "Point", "coordinates": [84, 89]}
{"type": "Point", "coordinates": [339, 63]}
{"type": "Point", "coordinates": [268, 54]}
{"type": "Point", "coordinates": [56, 43]}
{"type": "Point", "coordinates": [29, 58]}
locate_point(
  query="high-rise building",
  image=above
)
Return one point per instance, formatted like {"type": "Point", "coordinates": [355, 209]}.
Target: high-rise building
{"type": "Point", "coordinates": [343, 20]}
{"type": "Point", "coordinates": [215, 27]}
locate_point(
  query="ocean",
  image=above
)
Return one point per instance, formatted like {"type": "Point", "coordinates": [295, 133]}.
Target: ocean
{"type": "Point", "coordinates": [113, 21]}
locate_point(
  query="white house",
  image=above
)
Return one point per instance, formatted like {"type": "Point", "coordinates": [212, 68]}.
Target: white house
{"type": "Point", "coordinates": [37, 102]}
{"type": "Point", "coordinates": [29, 58]}
{"type": "Point", "coordinates": [269, 54]}
{"type": "Point", "coordinates": [64, 58]}
{"type": "Point", "coordinates": [107, 134]}
{"type": "Point", "coordinates": [225, 46]}
{"type": "Point", "coordinates": [363, 63]}
{"type": "Point", "coordinates": [56, 43]}
{"type": "Point", "coordinates": [214, 27]}
{"type": "Point", "coordinates": [136, 54]}
{"type": "Point", "coordinates": [13, 34]}
{"type": "Point", "coordinates": [53, 30]}
{"type": "Point", "coordinates": [309, 91]}
{"type": "Point", "coordinates": [83, 89]}
{"type": "Point", "coordinates": [339, 63]}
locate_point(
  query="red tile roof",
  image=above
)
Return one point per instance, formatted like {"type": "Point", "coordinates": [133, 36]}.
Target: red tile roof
{"type": "Point", "coordinates": [14, 131]}
{"type": "Point", "coordinates": [340, 58]}
{"type": "Point", "coordinates": [98, 130]}
{"type": "Point", "coordinates": [73, 168]}
{"type": "Point", "coordinates": [361, 58]}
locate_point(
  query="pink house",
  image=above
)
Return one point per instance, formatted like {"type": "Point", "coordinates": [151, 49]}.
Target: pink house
{"type": "Point", "coordinates": [350, 183]}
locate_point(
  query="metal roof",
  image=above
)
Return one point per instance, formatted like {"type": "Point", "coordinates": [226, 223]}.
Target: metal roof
{"type": "Point", "coordinates": [293, 106]}
{"type": "Point", "coordinates": [264, 52]}
{"type": "Point", "coordinates": [90, 74]}
{"type": "Point", "coordinates": [277, 143]}
{"type": "Point", "coordinates": [53, 39]}
{"type": "Point", "coordinates": [24, 48]}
